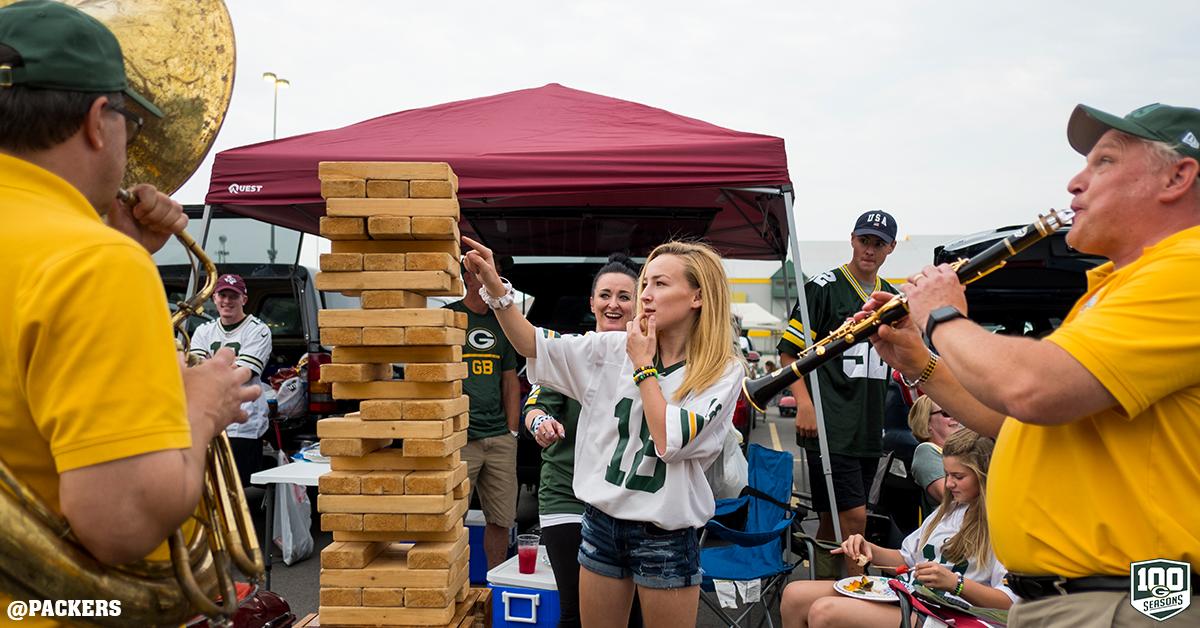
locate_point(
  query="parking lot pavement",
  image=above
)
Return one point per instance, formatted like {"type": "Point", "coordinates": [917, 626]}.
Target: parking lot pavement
{"type": "Point", "coordinates": [299, 584]}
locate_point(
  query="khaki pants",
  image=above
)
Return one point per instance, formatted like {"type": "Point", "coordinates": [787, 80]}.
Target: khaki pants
{"type": "Point", "coordinates": [1094, 609]}
{"type": "Point", "coordinates": [492, 470]}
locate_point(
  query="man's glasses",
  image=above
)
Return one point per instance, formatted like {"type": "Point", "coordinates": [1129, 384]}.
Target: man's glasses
{"type": "Point", "coordinates": [133, 122]}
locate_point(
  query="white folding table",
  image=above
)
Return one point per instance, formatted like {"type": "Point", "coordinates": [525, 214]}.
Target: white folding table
{"type": "Point", "coordinates": [303, 473]}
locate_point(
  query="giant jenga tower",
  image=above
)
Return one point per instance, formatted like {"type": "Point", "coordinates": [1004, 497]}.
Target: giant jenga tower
{"type": "Point", "coordinates": [397, 492]}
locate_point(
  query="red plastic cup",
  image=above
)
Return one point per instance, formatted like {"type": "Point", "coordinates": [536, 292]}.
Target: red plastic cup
{"type": "Point", "coordinates": [527, 552]}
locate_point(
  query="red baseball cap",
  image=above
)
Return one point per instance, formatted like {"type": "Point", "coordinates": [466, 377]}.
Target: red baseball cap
{"type": "Point", "coordinates": [231, 282]}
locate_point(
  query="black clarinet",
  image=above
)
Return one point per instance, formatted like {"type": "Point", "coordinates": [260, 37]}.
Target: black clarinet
{"type": "Point", "coordinates": [761, 390]}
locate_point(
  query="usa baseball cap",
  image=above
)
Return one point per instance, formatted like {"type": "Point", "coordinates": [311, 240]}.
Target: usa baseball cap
{"type": "Point", "coordinates": [63, 48]}
{"type": "Point", "coordinates": [876, 223]}
{"type": "Point", "coordinates": [1177, 126]}
{"type": "Point", "coordinates": [231, 282]}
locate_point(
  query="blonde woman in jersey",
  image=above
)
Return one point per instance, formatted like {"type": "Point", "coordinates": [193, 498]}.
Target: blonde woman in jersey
{"type": "Point", "coordinates": [950, 553]}
{"type": "Point", "coordinates": [657, 401]}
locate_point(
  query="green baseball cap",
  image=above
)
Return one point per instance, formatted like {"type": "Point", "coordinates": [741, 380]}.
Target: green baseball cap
{"type": "Point", "coordinates": [1177, 126]}
{"type": "Point", "coordinates": [63, 48]}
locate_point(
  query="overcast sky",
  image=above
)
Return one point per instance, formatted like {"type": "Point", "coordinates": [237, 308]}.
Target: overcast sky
{"type": "Point", "coordinates": [949, 114]}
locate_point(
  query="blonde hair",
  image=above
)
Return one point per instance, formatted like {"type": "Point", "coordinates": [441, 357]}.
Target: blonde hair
{"type": "Point", "coordinates": [710, 344]}
{"type": "Point", "coordinates": [918, 418]}
{"type": "Point", "coordinates": [972, 541]}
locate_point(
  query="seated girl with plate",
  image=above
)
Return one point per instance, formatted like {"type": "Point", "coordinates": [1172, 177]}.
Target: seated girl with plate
{"type": "Point", "coordinates": [950, 553]}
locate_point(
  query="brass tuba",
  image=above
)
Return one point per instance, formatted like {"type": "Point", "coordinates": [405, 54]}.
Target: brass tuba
{"type": "Point", "coordinates": [180, 54]}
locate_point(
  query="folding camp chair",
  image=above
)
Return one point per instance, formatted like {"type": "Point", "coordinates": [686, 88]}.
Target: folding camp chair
{"type": "Point", "coordinates": [756, 527]}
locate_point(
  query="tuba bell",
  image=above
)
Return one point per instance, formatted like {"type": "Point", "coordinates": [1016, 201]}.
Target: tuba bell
{"type": "Point", "coordinates": [179, 53]}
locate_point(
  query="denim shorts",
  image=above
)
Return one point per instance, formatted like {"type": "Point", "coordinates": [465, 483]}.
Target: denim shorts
{"type": "Point", "coordinates": [653, 557]}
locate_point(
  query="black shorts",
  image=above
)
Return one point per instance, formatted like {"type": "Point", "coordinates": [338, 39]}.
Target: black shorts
{"type": "Point", "coordinates": [852, 477]}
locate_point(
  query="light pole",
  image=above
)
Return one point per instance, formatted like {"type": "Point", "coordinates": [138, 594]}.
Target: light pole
{"type": "Point", "coordinates": [276, 82]}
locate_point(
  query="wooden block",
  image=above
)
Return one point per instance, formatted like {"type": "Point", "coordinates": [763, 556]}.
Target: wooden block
{"type": "Point", "coordinates": [341, 522]}
{"type": "Point", "coordinates": [383, 482]}
{"type": "Point", "coordinates": [393, 459]}
{"type": "Point", "coordinates": [450, 247]}
{"type": "Point", "coordinates": [310, 621]}
{"type": "Point", "coordinates": [384, 336]}
{"type": "Point", "coordinates": [341, 262]}
{"type": "Point", "coordinates": [389, 227]}
{"type": "Point", "coordinates": [390, 299]}
{"type": "Point", "coordinates": [354, 373]}
{"type": "Point", "coordinates": [461, 422]}
{"type": "Point", "coordinates": [392, 280]}
{"type": "Point", "coordinates": [444, 372]}
{"type": "Point", "coordinates": [435, 228]}
{"type": "Point", "coordinates": [461, 320]}
{"type": "Point", "coordinates": [338, 336]}
{"type": "Point", "coordinates": [342, 228]}
{"type": "Point", "coordinates": [352, 446]}
{"type": "Point", "coordinates": [437, 555]}
{"type": "Point", "coordinates": [346, 427]}
{"type": "Point", "coordinates": [392, 317]}
{"type": "Point", "coordinates": [434, 482]}
{"type": "Point", "coordinates": [339, 482]}
{"type": "Point", "coordinates": [432, 261]}
{"type": "Point", "coordinates": [463, 490]}
{"type": "Point", "coordinates": [341, 596]}
{"type": "Point", "coordinates": [389, 504]}
{"type": "Point", "coordinates": [384, 170]}
{"type": "Point", "coordinates": [422, 447]}
{"type": "Point", "coordinates": [346, 535]}
{"type": "Point", "coordinates": [430, 189]}
{"type": "Point", "coordinates": [397, 355]}
{"type": "Point", "coordinates": [343, 555]}
{"type": "Point", "coordinates": [415, 597]}
{"type": "Point", "coordinates": [375, 596]}
{"type": "Point", "coordinates": [385, 616]}
{"type": "Point", "coordinates": [396, 390]}
{"type": "Point", "coordinates": [463, 594]}
{"type": "Point", "coordinates": [434, 336]}
{"type": "Point", "coordinates": [375, 262]}
{"type": "Point", "coordinates": [387, 188]}
{"type": "Point", "coordinates": [392, 524]}
{"type": "Point", "coordinates": [431, 410]}
{"type": "Point", "coordinates": [412, 207]}
{"type": "Point", "coordinates": [345, 188]}
{"type": "Point", "coordinates": [434, 523]}
{"type": "Point", "coordinates": [389, 569]}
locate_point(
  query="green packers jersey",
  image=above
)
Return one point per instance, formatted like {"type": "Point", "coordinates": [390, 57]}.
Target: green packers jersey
{"type": "Point", "coordinates": [555, 494]}
{"type": "Point", "coordinates": [854, 385]}
{"type": "Point", "coordinates": [487, 354]}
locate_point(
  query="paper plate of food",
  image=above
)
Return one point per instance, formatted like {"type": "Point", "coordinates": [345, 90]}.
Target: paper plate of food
{"type": "Point", "coordinates": [873, 588]}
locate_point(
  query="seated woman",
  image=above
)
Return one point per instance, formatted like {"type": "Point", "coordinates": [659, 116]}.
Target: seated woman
{"type": "Point", "coordinates": [951, 552]}
{"type": "Point", "coordinates": [931, 426]}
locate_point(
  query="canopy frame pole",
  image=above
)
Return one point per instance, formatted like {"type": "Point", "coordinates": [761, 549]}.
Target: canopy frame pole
{"type": "Point", "coordinates": [822, 438]}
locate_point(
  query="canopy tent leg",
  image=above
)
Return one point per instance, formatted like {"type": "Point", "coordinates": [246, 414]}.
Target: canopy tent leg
{"type": "Point", "coordinates": [822, 439]}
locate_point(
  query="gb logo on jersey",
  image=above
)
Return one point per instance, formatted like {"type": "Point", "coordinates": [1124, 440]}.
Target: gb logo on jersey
{"type": "Point", "coordinates": [481, 339]}
{"type": "Point", "coordinates": [1160, 589]}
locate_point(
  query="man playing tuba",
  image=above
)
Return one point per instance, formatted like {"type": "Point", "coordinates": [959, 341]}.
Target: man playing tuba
{"type": "Point", "coordinates": [97, 415]}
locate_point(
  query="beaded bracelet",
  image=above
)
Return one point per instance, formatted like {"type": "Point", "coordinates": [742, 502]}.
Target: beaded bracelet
{"type": "Point", "coordinates": [958, 589]}
{"type": "Point", "coordinates": [643, 374]}
{"type": "Point", "coordinates": [926, 373]}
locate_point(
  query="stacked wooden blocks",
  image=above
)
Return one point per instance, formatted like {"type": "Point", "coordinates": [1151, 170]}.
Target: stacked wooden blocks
{"type": "Point", "coordinates": [397, 492]}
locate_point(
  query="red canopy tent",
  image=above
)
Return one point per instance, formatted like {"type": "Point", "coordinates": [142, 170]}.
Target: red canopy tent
{"type": "Point", "coordinates": [545, 171]}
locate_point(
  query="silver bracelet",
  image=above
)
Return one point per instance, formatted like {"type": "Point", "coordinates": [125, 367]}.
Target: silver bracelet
{"type": "Point", "coordinates": [503, 302]}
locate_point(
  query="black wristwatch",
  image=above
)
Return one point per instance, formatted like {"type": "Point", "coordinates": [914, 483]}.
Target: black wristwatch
{"type": "Point", "coordinates": [939, 316]}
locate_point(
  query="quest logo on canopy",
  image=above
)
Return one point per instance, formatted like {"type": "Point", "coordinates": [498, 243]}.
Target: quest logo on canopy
{"type": "Point", "coordinates": [236, 188]}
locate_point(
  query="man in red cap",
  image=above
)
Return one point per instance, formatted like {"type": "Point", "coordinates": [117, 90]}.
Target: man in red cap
{"type": "Point", "coordinates": [250, 339]}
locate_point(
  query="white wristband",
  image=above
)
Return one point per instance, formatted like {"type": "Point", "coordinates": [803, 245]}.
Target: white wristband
{"type": "Point", "coordinates": [503, 302]}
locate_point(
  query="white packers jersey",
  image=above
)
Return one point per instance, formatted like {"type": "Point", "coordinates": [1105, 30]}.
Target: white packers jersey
{"type": "Point", "coordinates": [617, 468]}
{"type": "Point", "coordinates": [251, 341]}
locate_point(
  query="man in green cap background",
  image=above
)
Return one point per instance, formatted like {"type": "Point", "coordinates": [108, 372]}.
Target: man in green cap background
{"type": "Point", "coordinates": [93, 412]}
{"type": "Point", "coordinates": [1093, 495]}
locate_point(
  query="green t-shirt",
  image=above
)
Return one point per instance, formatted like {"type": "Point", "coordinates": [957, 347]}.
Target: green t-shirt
{"type": "Point", "coordinates": [487, 354]}
{"type": "Point", "coordinates": [853, 386]}
{"type": "Point", "coordinates": [555, 493]}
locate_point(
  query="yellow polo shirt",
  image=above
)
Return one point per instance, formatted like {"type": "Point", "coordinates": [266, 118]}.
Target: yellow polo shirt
{"type": "Point", "coordinates": [1123, 485]}
{"type": "Point", "coordinates": [88, 369]}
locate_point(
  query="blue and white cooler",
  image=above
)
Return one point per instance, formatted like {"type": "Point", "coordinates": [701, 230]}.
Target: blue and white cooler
{"type": "Point", "coordinates": [520, 599]}
{"type": "Point", "coordinates": [478, 561]}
